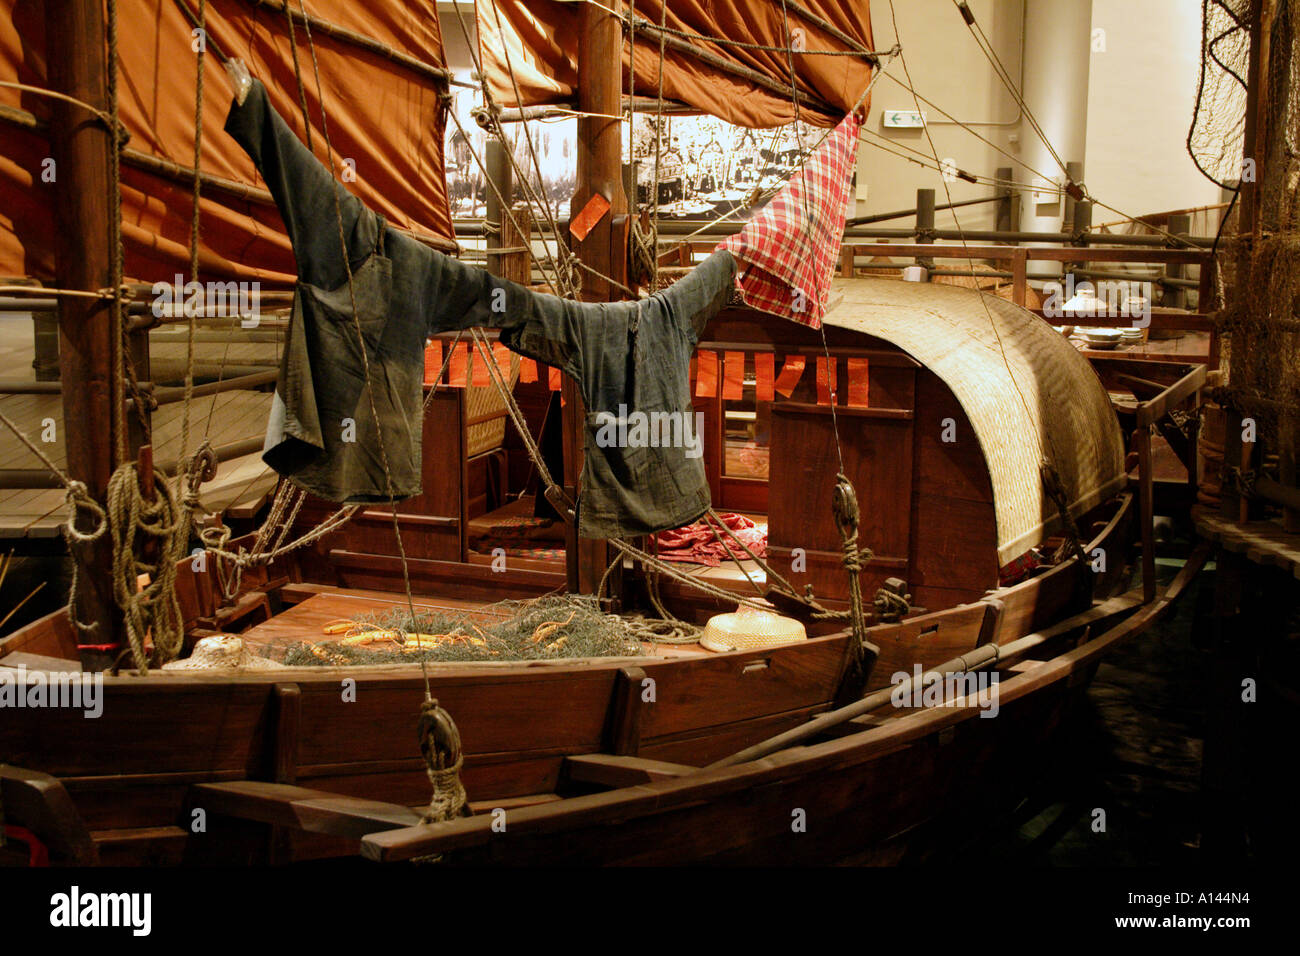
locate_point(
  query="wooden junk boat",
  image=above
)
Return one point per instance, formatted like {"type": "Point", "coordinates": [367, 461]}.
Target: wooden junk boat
{"type": "Point", "coordinates": [678, 754]}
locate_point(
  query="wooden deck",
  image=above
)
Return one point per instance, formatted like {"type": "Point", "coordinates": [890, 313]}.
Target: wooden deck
{"type": "Point", "coordinates": [241, 484]}
{"type": "Point", "coordinates": [306, 621]}
{"type": "Point", "coordinates": [1262, 542]}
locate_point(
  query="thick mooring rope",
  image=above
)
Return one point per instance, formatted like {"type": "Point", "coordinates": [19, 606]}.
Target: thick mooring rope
{"type": "Point", "coordinates": [152, 607]}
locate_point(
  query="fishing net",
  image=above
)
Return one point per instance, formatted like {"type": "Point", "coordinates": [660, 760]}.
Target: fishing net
{"type": "Point", "coordinates": [546, 628]}
{"type": "Point", "coordinates": [1263, 274]}
{"type": "Point", "coordinates": [1218, 124]}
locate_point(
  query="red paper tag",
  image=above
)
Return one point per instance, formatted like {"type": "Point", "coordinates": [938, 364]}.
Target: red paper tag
{"type": "Point", "coordinates": [706, 380]}
{"type": "Point", "coordinates": [459, 362]}
{"type": "Point", "coordinates": [825, 381]}
{"type": "Point", "coordinates": [554, 379]}
{"type": "Point", "coordinates": [504, 358]}
{"type": "Point", "coordinates": [859, 380]}
{"type": "Point", "coordinates": [479, 376]}
{"type": "Point", "coordinates": [764, 376]}
{"type": "Point", "coordinates": [527, 370]}
{"type": "Point", "coordinates": [733, 376]}
{"type": "Point", "coordinates": [582, 224]}
{"type": "Point", "coordinates": [432, 362]}
{"type": "Point", "coordinates": [791, 372]}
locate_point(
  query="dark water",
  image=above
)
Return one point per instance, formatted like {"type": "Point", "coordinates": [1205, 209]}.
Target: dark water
{"type": "Point", "coordinates": [1187, 774]}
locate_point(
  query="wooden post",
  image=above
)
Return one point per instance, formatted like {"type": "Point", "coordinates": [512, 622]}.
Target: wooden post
{"type": "Point", "coordinates": [1146, 503]}
{"type": "Point", "coordinates": [80, 146]}
{"type": "Point", "coordinates": [1205, 302]}
{"type": "Point", "coordinates": [1175, 297]}
{"type": "Point", "coordinates": [1074, 172]}
{"type": "Point", "coordinates": [1020, 276]}
{"type": "Point", "coordinates": [600, 170]}
{"type": "Point", "coordinates": [925, 222]}
{"type": "Point", "coordinates": [499, 172]}
{"type": "Point", "coordinates": [516, 266]}
{"type": "Point", "coordinates": [1004, 221]}
{"type": "Point", "coordinates": [1082, 224]}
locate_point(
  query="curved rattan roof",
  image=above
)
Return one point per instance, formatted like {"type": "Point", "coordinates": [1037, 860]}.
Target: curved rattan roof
{"type": "Point", "coordinates": [1030, 396]}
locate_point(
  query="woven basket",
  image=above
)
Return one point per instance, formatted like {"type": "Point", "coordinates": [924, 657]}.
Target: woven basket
{"type": "Point", "coordinates": [482, 401]}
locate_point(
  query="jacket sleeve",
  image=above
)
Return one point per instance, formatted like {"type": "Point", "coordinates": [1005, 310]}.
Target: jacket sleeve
{"type": "Point", "coordinates": [700, 294]}
{"type": "Point", "coordinates": [303, 190]}
{"type": "Point", "coordinates": [541, 326]}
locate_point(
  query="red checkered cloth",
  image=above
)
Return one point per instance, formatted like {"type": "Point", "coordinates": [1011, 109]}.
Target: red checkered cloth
{"type": "Point", "coordinates": [788, 252]}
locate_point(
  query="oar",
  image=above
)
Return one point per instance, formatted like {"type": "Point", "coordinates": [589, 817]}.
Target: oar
{"type": "Point", "coordinates": [980, 657]}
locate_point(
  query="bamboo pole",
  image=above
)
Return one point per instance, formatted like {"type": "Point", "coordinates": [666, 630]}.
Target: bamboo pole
{"type": "Point", "coordinates": [437, 73]}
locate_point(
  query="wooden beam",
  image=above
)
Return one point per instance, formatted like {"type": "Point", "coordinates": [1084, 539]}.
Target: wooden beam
{"type": "Point", "coordinates": [82, 147]}
{"type": "Point", "coordinates": [40, 803]}
{"type": "Point", "coordinates": [298, 808]}
{"type": "Point", "coordinates": [599, 171]}
{"type": "Point", "coordinates": [613, 771]}
{"type": "Point", "coordinates": [625, 712]}
{"type": "Point", "coordinates": [1146, 500]}
{"type": "Point", "coordinates": [1173, 396]}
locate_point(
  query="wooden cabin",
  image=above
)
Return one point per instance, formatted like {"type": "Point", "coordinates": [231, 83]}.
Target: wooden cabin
{"type": "Point", "coordinates": [944, 453]}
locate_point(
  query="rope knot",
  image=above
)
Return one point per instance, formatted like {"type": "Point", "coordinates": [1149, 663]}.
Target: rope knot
{"type": "Point", "coordinates": [440, 747]}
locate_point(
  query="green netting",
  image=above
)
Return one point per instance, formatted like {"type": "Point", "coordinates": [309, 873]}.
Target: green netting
{"type": "Point", "coordinates": [547, 628]}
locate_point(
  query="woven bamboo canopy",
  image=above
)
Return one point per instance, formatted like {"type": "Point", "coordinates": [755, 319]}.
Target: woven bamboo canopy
{"type": "Point", "coordinates": [1030, 396]}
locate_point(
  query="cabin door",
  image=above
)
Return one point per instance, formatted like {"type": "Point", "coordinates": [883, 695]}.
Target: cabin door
{"type": "Point", "coordinates": [876, 444]}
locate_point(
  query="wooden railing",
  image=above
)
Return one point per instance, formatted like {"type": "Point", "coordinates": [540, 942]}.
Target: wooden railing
{"type": "Point", "coordinates": [1012, 264]}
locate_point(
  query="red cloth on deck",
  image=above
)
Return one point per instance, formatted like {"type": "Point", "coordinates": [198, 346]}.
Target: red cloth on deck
{"type": "Point", "coordinates": [696, 544]}
{"type": "Point", "coordinates": [789, 251]}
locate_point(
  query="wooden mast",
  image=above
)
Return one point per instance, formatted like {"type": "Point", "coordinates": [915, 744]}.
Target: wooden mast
{"type": "Point", "coordinates": [81, 145]}
{"type": "Point", "coordinates": [604, 249]}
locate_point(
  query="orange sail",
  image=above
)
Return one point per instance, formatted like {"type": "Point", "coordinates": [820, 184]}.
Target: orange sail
{"type": "Point", "coordinates": [740, 84]}
{"type": "Point", "coordinates": [381, 69]}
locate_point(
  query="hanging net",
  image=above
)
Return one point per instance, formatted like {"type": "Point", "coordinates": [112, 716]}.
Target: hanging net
{"type": "Point", "coordinates": [1262, 274]}
{"type": "Point", "coordinates": [1219, 121]}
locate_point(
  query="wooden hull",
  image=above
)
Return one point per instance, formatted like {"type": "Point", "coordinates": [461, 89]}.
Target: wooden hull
{"type": "Point", "coordinates": [132, 773]}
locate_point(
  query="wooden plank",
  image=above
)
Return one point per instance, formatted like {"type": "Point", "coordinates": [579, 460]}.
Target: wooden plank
{"type": "Point", "coordinates": [1172, 397]}
{"type": "Point", "coordinates": [612, 770]}
{"type": "Point", "coordinates": [287, 718]}
{"type": "Point", "coordinates": [40, 803]}
{"type": "Point", "coordinates": [299, 808]}
{"type": "Point", "coordinates": [625, 710]}
{"type": "Point", "coordinates": [851, 781]}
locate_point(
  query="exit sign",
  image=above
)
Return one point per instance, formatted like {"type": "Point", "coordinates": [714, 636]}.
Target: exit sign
{"type": "Point", "coordinates": [904, 119]}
